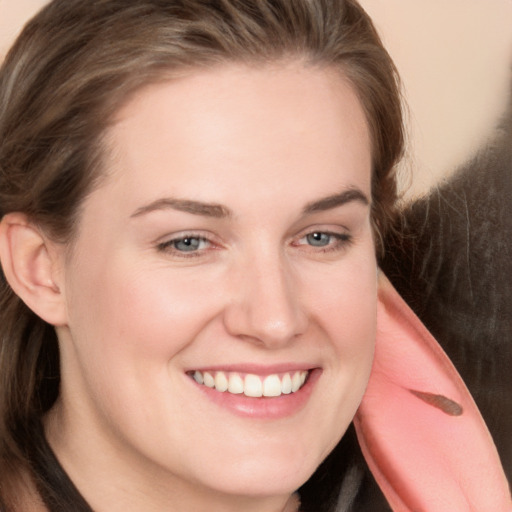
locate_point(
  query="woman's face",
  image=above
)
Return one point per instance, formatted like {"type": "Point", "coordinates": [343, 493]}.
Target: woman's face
{"type": "Point", "coordinates": [230, 242]}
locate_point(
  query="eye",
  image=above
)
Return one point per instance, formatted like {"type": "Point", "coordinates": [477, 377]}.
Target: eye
{"type": "Point", "coordinates": [324, 241]}
{"type": "Point", "coordinates": [185, 244]}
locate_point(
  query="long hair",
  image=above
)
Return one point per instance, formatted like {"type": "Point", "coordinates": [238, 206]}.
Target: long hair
{"type": "Point", "coordinates": [71, 69]}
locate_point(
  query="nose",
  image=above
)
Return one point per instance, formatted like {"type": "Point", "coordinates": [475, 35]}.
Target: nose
{"type": "Point", "coordinates": [265, 306]}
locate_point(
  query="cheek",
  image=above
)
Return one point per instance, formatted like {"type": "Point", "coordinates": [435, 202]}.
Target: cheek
{"type": "Point", "coordinates": [347, 305]}
{"type": "Point", "coordinates": [147, 314]}
{"type": "Point", "coordinates": [348, 314]}
{"type": "Point", "coordinates": [128, 329]}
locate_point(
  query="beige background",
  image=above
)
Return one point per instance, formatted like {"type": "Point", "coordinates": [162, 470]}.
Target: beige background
{"type": "Point", "coordinates": [455, 59]}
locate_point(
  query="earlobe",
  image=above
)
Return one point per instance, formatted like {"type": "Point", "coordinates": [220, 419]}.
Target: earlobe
{"type": "Point", "coordinates": [29, 263]}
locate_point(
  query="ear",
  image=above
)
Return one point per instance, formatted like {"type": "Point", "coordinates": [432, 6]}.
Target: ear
{"type": "Point", "coordinates": [419, 428]}
{"type": "Point", "coordinates": [30, 264]}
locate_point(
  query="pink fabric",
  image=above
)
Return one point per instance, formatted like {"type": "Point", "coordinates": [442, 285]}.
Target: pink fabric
{"type": "Point", "coordinates": [419, 428]}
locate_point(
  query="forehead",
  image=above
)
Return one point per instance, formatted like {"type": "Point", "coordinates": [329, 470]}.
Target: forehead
{"type": "Point", "coordinates": [242, 126]}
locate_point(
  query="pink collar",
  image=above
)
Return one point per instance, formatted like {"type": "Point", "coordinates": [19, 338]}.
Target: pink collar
{"type": "Point", "coordinates": [419, 428]}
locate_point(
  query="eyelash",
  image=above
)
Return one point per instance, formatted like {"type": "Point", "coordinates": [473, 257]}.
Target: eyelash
{"type": "Point", "coordinates": [341, 241]}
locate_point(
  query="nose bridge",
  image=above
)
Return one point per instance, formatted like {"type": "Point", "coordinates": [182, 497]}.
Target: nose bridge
{"type": "Point", "coordinates": [266, 305]}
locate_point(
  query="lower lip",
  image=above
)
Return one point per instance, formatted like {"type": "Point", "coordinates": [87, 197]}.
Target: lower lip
{"type": "Point", "coordinates": [263, 407]}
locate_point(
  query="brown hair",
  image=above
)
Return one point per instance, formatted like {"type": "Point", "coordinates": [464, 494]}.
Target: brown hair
{"type": "Point", "coordinates": [68, 73]}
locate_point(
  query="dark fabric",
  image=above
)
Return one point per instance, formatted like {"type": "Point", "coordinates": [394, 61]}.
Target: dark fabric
{"type": "Point", "coordinates": [55, 487]}
{"type": "Point", "coordinates": [343, 483]}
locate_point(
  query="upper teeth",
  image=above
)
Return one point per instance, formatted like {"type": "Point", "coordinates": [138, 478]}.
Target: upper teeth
{"type": "Point", "coordinates": [252, 385]}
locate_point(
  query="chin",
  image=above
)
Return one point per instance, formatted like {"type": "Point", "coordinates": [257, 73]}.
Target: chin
{"type": "Point", "coordinates": [267, 474]}
{"type": "Point", "coordinates": [264, 483]}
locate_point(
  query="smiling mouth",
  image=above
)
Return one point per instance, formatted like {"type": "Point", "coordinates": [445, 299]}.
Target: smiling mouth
{"type": "Point", "coordinates": [252, 385]}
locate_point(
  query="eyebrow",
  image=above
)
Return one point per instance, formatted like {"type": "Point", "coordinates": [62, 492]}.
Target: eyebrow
{"type": "Point", "coordinates": [220, 211]}
{"type": "Point", "coordinates": [336, 200]}
{"type": "Point", "coordinates": [185, 205]}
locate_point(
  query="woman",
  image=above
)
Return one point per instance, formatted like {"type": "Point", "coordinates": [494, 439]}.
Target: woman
{"type": "Point", "coordinates": [193, 195]}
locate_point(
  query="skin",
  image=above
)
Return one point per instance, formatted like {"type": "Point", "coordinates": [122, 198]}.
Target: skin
{"type": "Point", "coordinates": [131, 428]}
